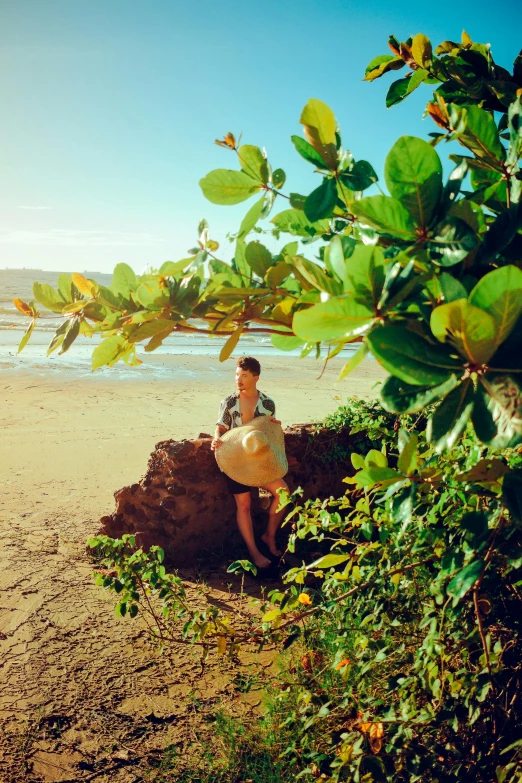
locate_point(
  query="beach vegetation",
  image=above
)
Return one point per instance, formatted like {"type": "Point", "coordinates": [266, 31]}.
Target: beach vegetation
{"type": "Point", "coordinates": [407, 623]}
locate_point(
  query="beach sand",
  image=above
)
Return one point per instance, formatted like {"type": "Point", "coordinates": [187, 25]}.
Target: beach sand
{"type": "Point", "coordinates": [68, 442]}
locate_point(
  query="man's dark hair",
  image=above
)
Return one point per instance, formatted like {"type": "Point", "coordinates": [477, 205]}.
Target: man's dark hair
{"type": "Point", "coordinates": [250, 364]}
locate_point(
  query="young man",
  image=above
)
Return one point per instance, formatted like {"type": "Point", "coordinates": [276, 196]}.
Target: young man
{"type": "Point", "coordinates": [239, 408]}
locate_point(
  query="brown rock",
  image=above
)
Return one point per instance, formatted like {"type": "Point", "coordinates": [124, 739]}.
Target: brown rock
{"type": "Point", "coordinates": [182, 503]}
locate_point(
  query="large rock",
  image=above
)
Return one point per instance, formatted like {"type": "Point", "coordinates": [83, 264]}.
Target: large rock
{"type": "Point", "coordinates": [182, 503]}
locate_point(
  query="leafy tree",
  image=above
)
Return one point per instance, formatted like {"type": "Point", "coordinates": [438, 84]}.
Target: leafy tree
{"type": "Point", "coordinates": [428, 278]}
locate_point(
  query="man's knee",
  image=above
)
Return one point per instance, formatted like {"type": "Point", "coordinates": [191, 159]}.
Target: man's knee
{"type": "Point", "coordinates": [243, 501]}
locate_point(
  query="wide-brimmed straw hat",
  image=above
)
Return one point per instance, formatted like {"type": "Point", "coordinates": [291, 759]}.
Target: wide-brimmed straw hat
{"type": "Point", "coordinates": [253, 454]}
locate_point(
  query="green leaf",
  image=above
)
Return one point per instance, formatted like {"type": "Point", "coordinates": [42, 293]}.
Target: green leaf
{"type": "Point", "coordinates": [173, 268]}
{"type": "Point", "coordinates": [515, 132]}
{"type": "Point", "coordinates": [48, 297]}
{"type": "Point", "coordinates": [151, 295]}
{"type": "Point", "coordinates": [451, 416]}
{"type": "Point", "coordinates": [240, 261]}
{"type": "Point", "coordinates": [382, 64]}
{"type": "Point", "coordinates": [65, 285]}
{"type": "Point", "coordinates": [147, 330]}
{"type": "Point", "coordinates": [25, 339]}
{"type": "Point", "coordinates": [250, 219]}
{"type": "Point", "coordinates": [469, 329]}
{"type": "Point", "coordinates": [124, 280]}
{"type": "Point", "coordinates": [499, 293]}
{"type": "Point", "coordinates": [397, 396]}
{"type": "Point", "coordinates": [295, 222]}
{"type": "Point", "coordinates": [408, 457]}
{"type": "Point", "coordinates": [371, 475]}
{"type": "Point", "coordinates": [278, 178]}
{"type": "Point", "coordinates": [276, 274]}
{"type": "Point", "coordinates": [477, 130]}
{"type": "Point", "coordinates": [108, 351]}
{"type": "Point", "coordinates": [329, 561]}
{"type": "Point", "coordinates": [315, 275]}
{"type": "Point", "coordinates": [512, 494]}
{"type": "Point", "coordinates": [365, 274]}
{"type": "Point", "coordinates": [421, 50]}
{"type": "Point", "coordinates": [413, 174]}
{"type": "Point", "coordinates": [223, 186]}
{"type": "Point", "coordinates": [475, 523]}
{"type": "Point", "coordinates": [464, 580]}
{"type": "Point", "coordinates": [360, 176]}
{"type": "Point", "coordinates": [451, 242]}
{"type": "Point", "coordinates": [286, 342]}
{"type": "Point", "coordinates": [354, 361]}
{"type": "Point", "coordinates": [320, 125]}
{"type": "Point", "coordinates": [253, 163]}
{"type": "Point", "coordinates": [410, 357]}
{"type": "Point", "coordinates": [71, 333]}
{"type": "Point", "coordinates": [497, 416]}
{"type": "Point", "coordinates": [231, 343]}
{"type": "Point", "coordinates": [58, 336]}
{"type": "Point", "coordinates": [321, 202]}
{"type": "Point", "coordinates": [332, 320]}
{"type": "Point", "coordinates": [307, 152]}
{"type": "Point", "coordinates": [259, 258]}
{"type": "Point", "coordinates": [385, 214]}
{"type": "Point", "coordinates": [397, 91]}
{"type": "Point", "coordinates": [451, 288]}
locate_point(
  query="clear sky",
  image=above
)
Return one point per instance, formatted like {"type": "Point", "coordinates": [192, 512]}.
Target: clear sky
{"type": "Point", "coordinates": [110, 109]}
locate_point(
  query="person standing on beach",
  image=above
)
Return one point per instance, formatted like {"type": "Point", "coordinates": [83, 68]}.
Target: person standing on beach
{"type": "Point", "coordinates": [246, 404]}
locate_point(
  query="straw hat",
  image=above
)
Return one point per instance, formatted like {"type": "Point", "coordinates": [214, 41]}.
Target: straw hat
{"type": "Point", "coordinates": [253, 454]}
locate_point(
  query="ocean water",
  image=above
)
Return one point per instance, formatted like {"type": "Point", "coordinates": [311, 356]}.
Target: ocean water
{"type": "Point", "coordinates": [19, 283]}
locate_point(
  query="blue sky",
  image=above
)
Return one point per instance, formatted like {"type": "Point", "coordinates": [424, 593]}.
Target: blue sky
{"type": "Point", "coordinates": [110, 109]}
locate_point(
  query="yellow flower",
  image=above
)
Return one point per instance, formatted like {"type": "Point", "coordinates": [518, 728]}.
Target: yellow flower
{"type": "Point", "coordinates": [305, 599]}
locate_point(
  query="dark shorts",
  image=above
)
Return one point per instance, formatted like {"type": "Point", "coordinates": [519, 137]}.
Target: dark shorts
{"type": "Point", "coordinates": [234, 487]}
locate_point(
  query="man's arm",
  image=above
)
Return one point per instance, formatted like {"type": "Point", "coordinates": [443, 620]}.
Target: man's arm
{"type": "Point", "coordinates": [216, 442]}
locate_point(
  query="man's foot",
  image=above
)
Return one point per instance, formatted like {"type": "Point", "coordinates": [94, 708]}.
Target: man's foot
{"type": "Point", "coordinates": [271, 544]}
{"type": "Point", "coordinates": [260, 560]}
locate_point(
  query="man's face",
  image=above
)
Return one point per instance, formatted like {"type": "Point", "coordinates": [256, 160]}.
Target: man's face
{"type": "Point", "coordinates": [245, 380]}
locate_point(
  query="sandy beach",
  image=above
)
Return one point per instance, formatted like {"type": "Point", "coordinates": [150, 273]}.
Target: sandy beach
{"type": "Point", "coordinates": [69, 441]}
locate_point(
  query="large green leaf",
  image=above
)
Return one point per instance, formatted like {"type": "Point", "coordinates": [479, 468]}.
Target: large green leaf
{"type": "Point", "coordinates": [108, 351]}
{"type": "Point", "coordinates": [398, 396]}
{"type": "Point", "coordinates": [253, 163]}
{"type": "Point", "coordinates": [321, 202]}
{"type": "Point", "coordinates": [151, 295]}
{"type": "Point", "coordinates": [332, 320]}
{"type": "Point", "coordinates": [497, 416]}
{"type": "Point", "coordinates": [499, 293]}
{"type": "Point", "coordinates": [366, 273]}
{"type": "Point", "coordinates": [124, 280]}
{"type": "Point", "coordinates": [25, 339]}
{"type": "Point", "coordinates": [472, 331]}
{"type": "Point", "coordinates": [222, 186]}
{"type": "Point", "coordinates": [285, 342]}
{"type": "Point", "coordinates": [477, 130]}
{"type": "Point", "coordinates": [149, 329]}
{"type": "Point", "coordinates": [382, 64]}
{"type": "Point", "coordinates": [320, 125]}
{"type": "Point", "coordinates": [413, 174]}
{"type": "Point", "coordinates": [360, 175]}
{"type": "Point", "coordinates": [231, 343]}
{"type": "Point", "coordinates": [385, 214]}
{"type": "Point", "coordinates": [308, 152]}
{"type": "Point", "coordinates": [354, 361]}
{"type": "Point", "coordinates": [315, 275]}
{"type": "Point", "coordinates": [515, 132]}
{"type": "Point", "coordinates": [451, 241]}
{"type": "Point", "coordinates": [410, 357]}
{"type": "Point", "coordinates": [450, 418]}
{"type": "Point", "coordinates": [295, 222]}
{"type": "Point", "coordinates": [173, 268]}
{"type": "Point", "coordinates": [259, 258]}
{"type": "Point", "coordinates": [250, 219]}
{"type": "Point", "coordinates": [48, 297]}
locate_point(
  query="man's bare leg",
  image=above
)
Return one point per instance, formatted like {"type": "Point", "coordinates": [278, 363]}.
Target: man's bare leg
{"type": "Point", "coordinates": [244, 523]}
{"type": "Point", "coordinates": [274, 517]}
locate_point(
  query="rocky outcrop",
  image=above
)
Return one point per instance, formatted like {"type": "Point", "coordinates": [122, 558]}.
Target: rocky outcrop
{"type": "Point", "coordinates": [182, 503]}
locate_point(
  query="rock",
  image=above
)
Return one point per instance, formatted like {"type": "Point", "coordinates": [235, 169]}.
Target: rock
{"type": "Point", "coordinates": [182, 503]}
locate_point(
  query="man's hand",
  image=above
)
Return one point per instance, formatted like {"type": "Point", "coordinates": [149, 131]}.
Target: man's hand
{"type": "Point", "coordinates": [274, 420]}
{"type": "Point", "coordinates": [216, 443]}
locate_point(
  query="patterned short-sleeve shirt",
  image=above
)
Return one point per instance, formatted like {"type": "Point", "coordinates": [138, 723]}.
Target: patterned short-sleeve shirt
{"type": "Point", "coordinates": [230, 414]}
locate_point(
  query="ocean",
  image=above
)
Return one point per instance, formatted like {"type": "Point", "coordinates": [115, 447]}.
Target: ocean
{"type": "Point", "coordinates": [19, 283]}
